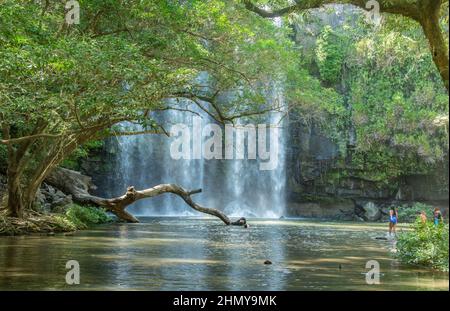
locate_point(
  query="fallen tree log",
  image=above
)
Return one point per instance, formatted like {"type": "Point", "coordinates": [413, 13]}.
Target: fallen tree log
{"type": "Point", "coordinates": [78, 185]}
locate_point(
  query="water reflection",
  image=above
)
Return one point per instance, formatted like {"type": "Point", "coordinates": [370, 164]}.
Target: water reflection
{"type": "Point", "coordinates": [203, 254]}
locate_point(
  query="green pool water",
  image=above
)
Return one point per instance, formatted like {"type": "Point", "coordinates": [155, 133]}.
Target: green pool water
{"type": "Point", "coordinates": [169, 253]}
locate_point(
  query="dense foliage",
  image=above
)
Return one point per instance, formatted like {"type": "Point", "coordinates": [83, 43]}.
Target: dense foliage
{"type": "Point", "coordinates": [410, 213]}
{"type": "Point", "coordinates": [391, 95]}
{"type": "Point", "coordinates": [83, 216]}
{"type": "Point", "coordinates": [399, 106]}
{"type": "Point", "coordinates": [330, 52]}
{"type": "Point", "coordinates": [426, 245]}
{"type": "Point", "coordinates": [82, 152]}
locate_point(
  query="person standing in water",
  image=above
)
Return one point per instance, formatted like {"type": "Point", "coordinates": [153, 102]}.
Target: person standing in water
{"type": "Point", "coordinates": [393, 220]}
{"type": "Point", "coordinates": [437, 216]}
{"type": "Point", "coordinates": [423, 217]}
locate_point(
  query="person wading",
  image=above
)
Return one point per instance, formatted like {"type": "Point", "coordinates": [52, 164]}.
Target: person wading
{"type": "Point", "coordinates": [393, 220]}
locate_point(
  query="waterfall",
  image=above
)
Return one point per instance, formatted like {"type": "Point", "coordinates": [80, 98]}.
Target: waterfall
{"type": "Point", "coordinates": [257, 193]}
{"type": "Point", "coordinates": [238, 187]}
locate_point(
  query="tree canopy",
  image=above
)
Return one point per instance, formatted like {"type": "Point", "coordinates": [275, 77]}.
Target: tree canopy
{"type": "Point", "coordinates": [427, 13]}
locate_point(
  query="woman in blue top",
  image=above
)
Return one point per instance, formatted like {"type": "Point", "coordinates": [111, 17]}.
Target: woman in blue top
{"type": "Point", "coordinates": [393, 219]}
{"type": "Point", "coordinates": [437, 216]}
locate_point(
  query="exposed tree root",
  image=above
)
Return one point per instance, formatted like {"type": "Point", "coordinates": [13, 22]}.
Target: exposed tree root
{"type": "Point", "coordinates": [34, 222]}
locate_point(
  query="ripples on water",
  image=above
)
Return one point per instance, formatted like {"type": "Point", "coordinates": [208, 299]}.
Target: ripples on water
{"type": "Point", "coordinates": [203, 254]}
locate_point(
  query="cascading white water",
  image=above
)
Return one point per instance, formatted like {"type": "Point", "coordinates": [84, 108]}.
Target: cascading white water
{"type": "Point", "coordinates": [254, 192]}
{"type": "Point", "coordinates": [237, 187]}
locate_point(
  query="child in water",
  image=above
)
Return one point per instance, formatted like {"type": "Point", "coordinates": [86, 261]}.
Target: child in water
{"type": "Point", "coordinates": [393, 219]}
{"type": "Point", "coordinates": [423, 217]}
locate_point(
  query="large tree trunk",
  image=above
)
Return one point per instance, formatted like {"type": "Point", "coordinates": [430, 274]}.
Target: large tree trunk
{"type": "Point", "coordinates": [78, 185]}
{"type": "Point", "coordinates": [432, 30]}
{"type": "Point", "coordinates": [22, 189]}
{"type": "Point", "coordinates": [15, 203]}
{"type": "Point", "coordinates": [21, 195]}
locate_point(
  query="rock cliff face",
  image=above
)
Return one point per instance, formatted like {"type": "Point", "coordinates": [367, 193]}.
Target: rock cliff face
{"type": "Point", "coordinates": [320, 184]}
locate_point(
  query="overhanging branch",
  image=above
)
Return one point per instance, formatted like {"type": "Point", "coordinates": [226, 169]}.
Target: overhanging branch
{"type": "Point", "coordinates": [401, 7]}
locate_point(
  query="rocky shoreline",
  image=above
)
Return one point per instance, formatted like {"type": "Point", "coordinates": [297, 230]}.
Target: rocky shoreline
{"type": "Point", "coordinates": [49, 199]}
{"type": "Point", "coordinates": [354, 210]}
